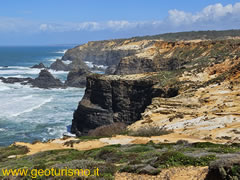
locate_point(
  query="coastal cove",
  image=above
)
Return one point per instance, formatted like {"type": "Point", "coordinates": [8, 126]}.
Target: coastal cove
{"type": "Point", "coordinates": [28, 114]}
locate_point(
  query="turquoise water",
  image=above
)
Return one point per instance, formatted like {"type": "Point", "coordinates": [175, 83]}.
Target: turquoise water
{"type": "Point", "coordinates": [28, 114]}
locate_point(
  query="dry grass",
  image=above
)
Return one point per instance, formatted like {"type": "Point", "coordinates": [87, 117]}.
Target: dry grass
{"type": "Point", "coordinates": [108, 130]}
{"type": "Point", "coordinates": [150, 130]}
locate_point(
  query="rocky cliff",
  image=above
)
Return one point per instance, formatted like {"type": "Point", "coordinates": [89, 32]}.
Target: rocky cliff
{"type": "Point", "coordinates": [111, 99]}
{"type": "Point", "coordinates": [206, 74]}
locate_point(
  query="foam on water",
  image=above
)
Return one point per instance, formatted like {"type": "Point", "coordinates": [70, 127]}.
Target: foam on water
{"type": "Point", "coordinates": [1, 129]}
{"type": "Point", "coordinates": [3, 86]}
{"type": "Point", "coordinates": [32, 108]}
{"type": "Point", "coordinates": [91, 65]}
{"type": "Point", "coordinates": [62, 51]}
{"type": "Point", "coordinates": [53, 59]}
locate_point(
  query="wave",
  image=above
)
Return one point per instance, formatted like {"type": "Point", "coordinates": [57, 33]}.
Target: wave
{"type": "Point", "coordinates": [33, 108]}
{"type": "Point", "coordinates": [16, 71]}
{"type": "Point", "coordinates": [53, 59]}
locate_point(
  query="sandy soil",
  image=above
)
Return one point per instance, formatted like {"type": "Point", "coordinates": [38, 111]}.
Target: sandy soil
{"type": "Point", "coordinates": [93, 144]}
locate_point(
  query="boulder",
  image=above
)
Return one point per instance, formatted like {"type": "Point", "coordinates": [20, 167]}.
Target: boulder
{"type": "Point", "coordinates": [46, 80]}
{"type": "Point", "coordinates": [39, 66]}
{"type": "Point", "coordinates": [110, 70]}
{"type": "Point", "coordinates": [12, 80]}
{"type": "Point", "coordinates": [225, 168]}
{"type": "Point", "coordinates": [58, 65]}
{"type": "Point", "coordinates": [148, 169]}
{"type": "Point", "coordinates": [77, 77]}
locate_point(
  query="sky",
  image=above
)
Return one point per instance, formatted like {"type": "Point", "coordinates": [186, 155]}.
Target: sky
{"type": "Point", "coordinates": [51, 22]}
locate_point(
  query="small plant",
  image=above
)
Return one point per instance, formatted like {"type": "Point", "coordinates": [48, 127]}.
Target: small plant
{"type": "Point", "coordinates": [150, 130]}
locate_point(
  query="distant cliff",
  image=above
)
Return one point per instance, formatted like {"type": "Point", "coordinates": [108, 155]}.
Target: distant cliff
{"type": "Point", "coordinates": [151, 53]}
{"type": "Point", "coordinates": [98, 52]}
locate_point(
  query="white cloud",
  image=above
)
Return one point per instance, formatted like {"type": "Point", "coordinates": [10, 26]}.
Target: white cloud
{"type": "Point", "coordinates": [210, 14]}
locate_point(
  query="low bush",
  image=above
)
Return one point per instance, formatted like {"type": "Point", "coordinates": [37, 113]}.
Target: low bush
{"type": "Point", "coordinates": [149, 131]}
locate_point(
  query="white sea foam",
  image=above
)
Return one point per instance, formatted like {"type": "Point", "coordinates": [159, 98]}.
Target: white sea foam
{"type": "Point", "coordinates": [62, 51]}
{"type": "Point", "coordinates": [3, 86]}
{"type": "Point", "coordinates": [91, 65]}
{"type": "Point", "coordinates": [15, 76]}
{"type": "Point", "coordinates": [15, 70]}
{"type": "Point", "coordinates": [53, 59]}
{"type": "Point", "coordinates": [2, 130]}
{"type": "Point", "coordinates": [22, 72]}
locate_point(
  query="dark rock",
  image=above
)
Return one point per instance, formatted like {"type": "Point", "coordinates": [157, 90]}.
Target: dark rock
{"type": "Point", "coordinates": [39, 66]}
{"type": "Point", "coordinates": [12, 80]}
{"type": "Point", "coordinates": [58, 65]}
{"type": "Point", "coordinates": [110, 99]}
{"type": "Point", "coordinates": [226, 168]}
{"type": "Point", "coordinates": [77, 78]}
{"type": "Point", "coordinates": [110, 70]}
{"type": "Point", "coordinates": [46, 80]}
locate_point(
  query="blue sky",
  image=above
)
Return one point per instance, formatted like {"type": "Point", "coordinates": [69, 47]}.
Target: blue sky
{"type": "Point", "coordinates": [43, 22]}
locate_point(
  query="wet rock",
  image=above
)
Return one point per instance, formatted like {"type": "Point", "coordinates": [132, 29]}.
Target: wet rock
{"type": "Point", "coordinates": [12, 80]}
{"type": "Point", "coordinates": [46, 80]}
{"type": "Point", "coordinates": [39, 66]}
{"type": "Point", "coordinates": [58, 65]}
{"type": "Point", "coordinates": [77, 78]}
{"type": "Point", "coordinates": [111, 70]}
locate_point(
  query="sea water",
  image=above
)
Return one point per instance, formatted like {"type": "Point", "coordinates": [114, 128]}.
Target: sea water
{"type": "Point", "coordinates": [28, 114]}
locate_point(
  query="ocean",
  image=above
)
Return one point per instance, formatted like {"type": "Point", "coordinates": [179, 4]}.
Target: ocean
{"type": "Point", "coordinates": [28, 114]}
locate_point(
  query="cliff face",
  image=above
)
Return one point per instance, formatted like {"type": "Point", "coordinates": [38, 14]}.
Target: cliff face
{"type": "Point", "coordinates": [111, 99]}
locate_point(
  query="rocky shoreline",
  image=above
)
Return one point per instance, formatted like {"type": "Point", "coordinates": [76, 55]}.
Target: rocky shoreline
{"type": "Point", "coordinates": [177, 103]}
